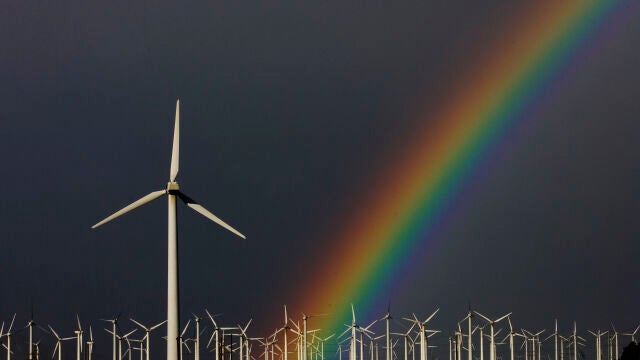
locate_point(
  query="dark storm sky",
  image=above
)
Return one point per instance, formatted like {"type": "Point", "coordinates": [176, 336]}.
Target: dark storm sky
{"type": "Point", "coordinates": [288, 108]}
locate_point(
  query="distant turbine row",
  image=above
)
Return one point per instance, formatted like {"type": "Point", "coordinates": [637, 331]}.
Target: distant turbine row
{"type": "Point", "coordinates": [235, 342]}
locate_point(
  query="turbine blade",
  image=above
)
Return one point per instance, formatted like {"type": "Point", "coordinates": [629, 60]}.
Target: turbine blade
{"type": "Point", "coordinates": [502, 318]}
{"type": "Point", "coordinates": [482, 316]}
{"type": "Point", "coordinates": [344, 332]}
{"type": "Point", "coordinates": [431, 316]}
{"type": "Point", "coordinates": [175, 151]}
{"type": "Point", "coordinates": [157, 325]}
{"type": "Point", "coordinates": [14, 318]}
{"type": "Point", "coordinates": [247, 326]}
{"type": "Point", "coordinates": [353, 312]}
{"type": "Point", "coordinates": [143, 200]}
{"type": "Point", "coordinates": [211, 338]}
{"type": "Point", "coordinates": [211, 317]}
{"type": "Point", "coordinates": [185, 328]}
{"type": "Point", "coordinates": [54, 332]}
{"type": "Point", "coordinates": [137, 323]}
{"type": "Point", "coordinates": [199, 208]}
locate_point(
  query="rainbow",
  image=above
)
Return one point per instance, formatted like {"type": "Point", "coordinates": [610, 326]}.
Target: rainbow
{"type": "Point", "coordinates": [393, 226]}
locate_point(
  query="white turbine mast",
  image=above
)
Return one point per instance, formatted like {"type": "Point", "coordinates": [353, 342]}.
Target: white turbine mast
{"type": "Point", "coordinates": [172, 191]}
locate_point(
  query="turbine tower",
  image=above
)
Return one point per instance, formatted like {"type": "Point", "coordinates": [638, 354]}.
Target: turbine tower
{"type": "Point", "coordinates": [172, 191]}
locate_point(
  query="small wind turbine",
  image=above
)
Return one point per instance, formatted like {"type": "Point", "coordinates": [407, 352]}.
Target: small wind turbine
{"type": "Point", "coordinates": [284, 329]}
{"type": "Point", "coordinates": [554, 335]}
{"type": "Point", "coordinates": [8, 336]}
{"type": "Point", "coordinates": [181, 339]}
{"type": "Point", "coordinates": [172, 191]}
{"type": "Point", "coordinates": [148, 330]}
{"type": "Point", "coordinates": [30, 325]}
{"type": "Point", "coordinates": [407, 337]}
{"type": "Point", "coordinates": [78, 339]}
{"type": "Point", "coordinates": [615, 336]}
{"type": "Point", "coordinates": [492, 354]}
{"type": "Point", "coordinates": [598, 335]}
{"type": "Point", "coordinates": [113, 332]}
{"type": "Point", "coordinates": [120, 339]}
{"type": "Point", "coordinates": [305, 332]}
{"type": "Point", "coordinates": [90, 344]}
{"type": "Point", "coordinates": [387, 317]}
{"type": "Point", "coordinates": [631, 334]}
{"type": "Point", "coordinates": [469, 317]}
{"type": "Point", "coordinates": [215, 334]}
{"type": "Point", "coordinates": [59, 343]}
{"type": "Point", "coordinates": [353, 340]}
{"type": "Point", "coordinates": [422, 330]}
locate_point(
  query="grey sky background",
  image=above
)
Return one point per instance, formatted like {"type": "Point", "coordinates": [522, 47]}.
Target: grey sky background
{"type": "Point", "coordinates": [288, 110]}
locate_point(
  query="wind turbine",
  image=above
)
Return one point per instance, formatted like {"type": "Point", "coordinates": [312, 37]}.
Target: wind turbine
{"type": "Point", "coordinates": [215, 334]}
{"type": "Point", "coordinates": [598, 334]}
{"type": "Point", "coordinates": [181, 339]}
{"type": "Point", "coordinates": [535, 343]}
{"type": "Point", "coordinates": [59, 343]}
{"type": "Point", "coordinates": [632, 334]}
{"type": "Point", "coordinates": [422, 333]}
{"type": "Point", "coordinates": [30, 325]}
{"type": "Point", "coordinates": [113, 332]}
{"type": "Point", "coordinates": [510, 336]}
{"type": "Point", "coordinates": [148, 330]}
{"type": "Point", "coordinates": [284, 328]}
{"type": "Point", "coordinates": [615, 336]}
{"type": "Point", "coordinates": [387, 317]}
{"type": "Point", "coordinates": [492, 353]}
{"type": "Point", "coordinates": [8, 336]}
{"type": "Point", "coordinates": [554, 335]}
{"type": "Point", "coordinates": [406, 338]}
{"type": "Point", "coordinates": [353, 328]}
{"type": "Point", "coordinates": [120, 338]}
{"type": "Point", "coordinates": [306, 317]}
{"type": "Point", "coordinates": [243, 339]}
{"type": "Point", "coordinates": [172, 191]}
{"type": "Point", "coordinates": [469, 345]}
{"type": "Point", "coordinates": [78, 339]}
{"type": "Point", "coordinates": [196, 343]}
{"type": "Point", "coordinates": [90, 344]}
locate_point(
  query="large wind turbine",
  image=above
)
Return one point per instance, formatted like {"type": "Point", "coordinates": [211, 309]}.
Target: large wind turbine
{"type": "Point", "coordinates": [172, 191]}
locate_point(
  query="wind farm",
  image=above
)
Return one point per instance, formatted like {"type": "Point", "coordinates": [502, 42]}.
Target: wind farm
{"type": "Point", "coordinates": [398, 180]}
{"type": "Point", "coordinates": [356, 342]}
